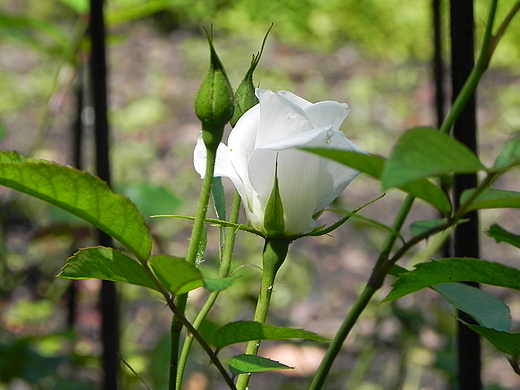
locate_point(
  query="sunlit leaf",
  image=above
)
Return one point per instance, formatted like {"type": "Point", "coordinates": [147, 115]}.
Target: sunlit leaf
{"type": "Point", "coordinates": [366, 163]}
{"type": "Point", "coordinates": [81, 194]}
{"type": "Point", "coordinates": [502, 235]}
{"type": "Point", "coordinates": [491, 198]}
{"type": "Point", "coordinates": [425, 152]}
{"type": "Point", "coordinates": [240, 331]}
{"type": "Point", "coordinates": [105, 264]}
{"type": "Point", "coordinates": [454, 270]}
{"type": "Point", "coordinates": [244, 364]}
{"type": "Point", "coordinates": [487, 310]}
{"type": "Point", "coordinates": [176, 274]}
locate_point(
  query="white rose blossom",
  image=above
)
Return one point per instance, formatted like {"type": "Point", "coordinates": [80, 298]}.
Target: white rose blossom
{"type": "Point", "coordinates": [266, 140]}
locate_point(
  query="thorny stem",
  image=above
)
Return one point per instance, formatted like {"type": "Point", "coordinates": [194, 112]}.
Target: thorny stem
{"type": "Point", "coordinates": [224, 269]}
{"type": "Point", "coordinates": [275, 252]}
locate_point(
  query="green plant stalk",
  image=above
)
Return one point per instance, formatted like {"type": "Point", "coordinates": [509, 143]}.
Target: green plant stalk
{"type": "Point", "coordinates": [191, 256]}
{"type": "Point", "coordinates": [225, 266]}
{"type": "Point", "coordinates": [476, 74]}
{"type": "Point", "coordinates": [362, 301]}
{"type": "Point", "coordinates": [202, 207]}
{"type": "Point", "coordinates": [396, 227]}
{"type": "Point", "coordinates": [274, 254]}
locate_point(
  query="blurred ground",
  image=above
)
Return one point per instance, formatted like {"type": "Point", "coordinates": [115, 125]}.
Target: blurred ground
{"type": "Point", "coordinates": [154, 77]}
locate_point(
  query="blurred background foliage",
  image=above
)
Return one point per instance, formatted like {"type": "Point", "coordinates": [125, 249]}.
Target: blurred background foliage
{"type": "Point", "coordinates": [374, 55]}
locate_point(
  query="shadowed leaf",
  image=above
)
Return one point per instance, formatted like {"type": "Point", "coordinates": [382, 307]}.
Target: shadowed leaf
{"type": "Point", "coordinates": [491, 198]}
{"type": "Point", "coordinates": [487, 310]}
{"type": "Point", "coordinates": [502, 235]}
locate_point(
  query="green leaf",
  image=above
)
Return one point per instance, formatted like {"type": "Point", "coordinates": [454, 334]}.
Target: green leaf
{"type": "Point", "coordinates": [150, 199]}
{"type": "Point", "coordinates": [454, 270]}
{"type": "Point", "coordinates": [245, 364]}
{"type": "Point", "coordinates": [426, 190]}
{"type": "Point", "coordinates": [80, 6]}
{"type": "Point", "coordinates": [487, 310]}
{"type": "Point", "coordinates": [419, 227]}
{"type": "Point", "coordinates": [219, 284]}
{"type": "Point", "coordinates": [397, 270]}
{"type": "Point", "coordinates": [491, 198]}
{"type": "Point", "coordinates": [510, 155]}
{"type": "Point", "coordinates": [502, 235]}
{"type": "Point", "coordinates": [81, 194]}
{"type": "Point", "coordinates": [506, 342]}
{"type": "Point", "coordinates": [176, 274]}
{"type": "Point", "coordinates": [425, 152]}
{"type": "Point", "coordinates": [127, 11]}
{"type": "Point", "coordinates": [36, 32]}
{"type": "Point", "coordinates": [105, 264]}
{"type": "Point", "coordinates": [240, 331]}
{"type": "Point", "coordinates": [374, 165]}
{"type": "Point", "coordinates": [366, 163]}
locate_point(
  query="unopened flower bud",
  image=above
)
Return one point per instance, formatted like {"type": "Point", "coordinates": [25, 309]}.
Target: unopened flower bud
{"type": "Point", "coordinates": [214, 103]}
{"type": "Point", "coordinates": [245, 97]}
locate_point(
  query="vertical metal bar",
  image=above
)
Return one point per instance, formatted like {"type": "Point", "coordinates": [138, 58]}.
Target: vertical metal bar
{"type": "Point", "coordinates": [108, 301]}
{"type": "Point", "coordinates": [466, 236]}
{"type": "Point", "coordinates": [438, 66]}
{"type": "Point", "coordinates": [77, 145]}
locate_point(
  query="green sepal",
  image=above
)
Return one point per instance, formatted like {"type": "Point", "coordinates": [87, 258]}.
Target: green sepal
{"type": "Point", "coordinates": [274, 221]}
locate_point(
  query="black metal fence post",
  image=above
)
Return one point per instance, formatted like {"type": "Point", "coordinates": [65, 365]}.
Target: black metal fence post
{"type": "Point", "coordinates": [466, 236]}
{"type": "Point", "coordinates": [108, 300]}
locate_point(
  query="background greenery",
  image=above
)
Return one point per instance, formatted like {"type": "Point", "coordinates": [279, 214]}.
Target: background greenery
{"type": "Point", "coordinates": [374, 55]}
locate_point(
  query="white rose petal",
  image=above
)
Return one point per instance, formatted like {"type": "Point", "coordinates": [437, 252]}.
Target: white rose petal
{"type": "Point", "coordinates": [271, 133]}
